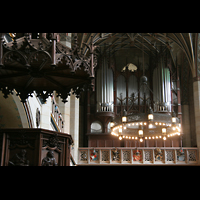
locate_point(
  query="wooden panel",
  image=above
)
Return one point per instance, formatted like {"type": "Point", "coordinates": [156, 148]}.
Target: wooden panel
{"type": "Point", "coordinates": [176, 143]}
{"type": "Point", "coordinates": [101, 143]}
{"type": "Point", "coordinates": [167, 143]}
{"type": "Point", "coordinates": [116, 143]}
{"type": "Point", "coordinates": [28, 147]}
{"type": "Point", "coordinates": [151, 143]}
{"type": "Point", "coordinates": [92, 143]}
{"type": "Point", "coordinates": [108, 143]}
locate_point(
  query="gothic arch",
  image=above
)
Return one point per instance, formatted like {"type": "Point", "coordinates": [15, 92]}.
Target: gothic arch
{"type": "Point", "coordinates": [197, 66]}
{"type": "Point", "coordinates": [12, 112]}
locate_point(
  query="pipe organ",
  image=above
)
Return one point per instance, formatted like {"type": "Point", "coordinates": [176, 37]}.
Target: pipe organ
{"type": "Point", "coordinates": [104, 90]}
{"type": "Point", "coordinates": [132, 92]}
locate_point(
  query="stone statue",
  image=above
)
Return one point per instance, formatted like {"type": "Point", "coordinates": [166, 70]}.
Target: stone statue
{"type": "Point", "coordinates": [49, 160]}
{"type": "Point", "coordinates": [19, 159]}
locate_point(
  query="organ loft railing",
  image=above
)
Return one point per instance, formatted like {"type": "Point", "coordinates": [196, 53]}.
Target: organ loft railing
{"type": "Point", "coordinates": [138, 156]}
{"type": "Point", "coordinates": [139, 104]}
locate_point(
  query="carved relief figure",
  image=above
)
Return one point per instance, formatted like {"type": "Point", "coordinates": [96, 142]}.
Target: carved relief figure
{"type": "Point", "coordinates": [115, 155]}
{"type": "Point", "coordinates": [19, 159]}
{"type": "Point", "coordinates": [49, 160]}
{"type": "Point", "coordinates": [158, 154]}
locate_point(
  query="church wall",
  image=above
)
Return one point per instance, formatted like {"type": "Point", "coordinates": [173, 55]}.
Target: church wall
{"type": "Point", "coordinates": [9, 113]}
{"type": "Point", "coordinates": [186, 125]}
{"type": "Point", "coordinates": [196, 89]}
{"type": "Point", "coordinates": [21, 109]}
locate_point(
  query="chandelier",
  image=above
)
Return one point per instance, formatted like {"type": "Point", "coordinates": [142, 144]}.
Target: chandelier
{"type": "Point", "coordinates": [146, 126]}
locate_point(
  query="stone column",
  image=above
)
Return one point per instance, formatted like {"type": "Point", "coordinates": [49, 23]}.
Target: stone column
{"type": "Point", "coordinates": [74, 125]}
{"type": "Point", "coordinates": [45, 114]}
{"type": "Point", "coordinates": [186, 126]}
{"type": "Point", "coordinates": [196, 92]}
{"type": "Point", "coordinates": [65, 111]}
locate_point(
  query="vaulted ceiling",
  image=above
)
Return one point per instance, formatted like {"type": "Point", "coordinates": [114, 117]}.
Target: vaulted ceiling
{"type": "Point", "coordinates": [149, 43]}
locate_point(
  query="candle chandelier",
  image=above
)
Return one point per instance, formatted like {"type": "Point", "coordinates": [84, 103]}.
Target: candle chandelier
{"type": "Point", "coordinates": [146, 126]}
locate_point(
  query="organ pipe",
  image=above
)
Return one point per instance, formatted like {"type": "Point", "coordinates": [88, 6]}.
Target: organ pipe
{"type": "Point", "coordinates": [105, 88]}
{"type": "Point", "coordinates": [162, 88]}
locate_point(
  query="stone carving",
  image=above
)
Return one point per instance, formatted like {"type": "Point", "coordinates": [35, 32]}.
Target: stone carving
{"type": "Point", "coordinates": [49, 160]}
{"type": "Point", "coordinates": [19, 159]}
{"type": "Point", "coordinates": [93, 155]}
{"type": "Point", "coordinates": [181, 155]}
{"type": "Point", "coordinates": [115, 155]}
{"type": "Point", "coordinates": [158, 154]}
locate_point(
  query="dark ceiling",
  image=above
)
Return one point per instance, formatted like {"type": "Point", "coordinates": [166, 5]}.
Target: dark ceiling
{"type": "Point", "coordinates": [149, 43]}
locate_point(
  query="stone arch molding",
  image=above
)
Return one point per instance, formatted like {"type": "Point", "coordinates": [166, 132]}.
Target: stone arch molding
{"type": "Point", "coordinates": [198, 56]}
{"type": "Point", "coordinates": [12, 112]}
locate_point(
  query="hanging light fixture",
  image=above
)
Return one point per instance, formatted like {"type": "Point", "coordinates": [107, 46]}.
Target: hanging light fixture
{"type": "Point", "coordinates": [112, 123]}
{"type": "Point", "coordinates": [124, 118]}
{"type": "Point", "coordinates": [120, 130]}
{"type": "Point", "coordinates": [140, 133]}
{"type": "Point", "coordinates": [164, 131]}
{"type": "Point", "coordinates": [150, 115]}
{"type": "Point", "coordinates": [173, 117]}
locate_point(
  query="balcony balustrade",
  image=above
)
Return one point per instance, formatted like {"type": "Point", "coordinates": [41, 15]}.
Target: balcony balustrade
{"type": "Point", "coordinates": [139, 156]}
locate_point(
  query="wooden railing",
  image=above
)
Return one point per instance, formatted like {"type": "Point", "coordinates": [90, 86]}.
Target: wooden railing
{"type": "Point", "coordinates": [139, 156]}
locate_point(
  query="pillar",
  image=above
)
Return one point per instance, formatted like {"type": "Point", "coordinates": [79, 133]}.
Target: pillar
{"type": "Point", "coordinates": [45, 114]}
{"type": "Point", "coordinates": [179, 96]}
{"type": "Point", "coordinates": [65, 110]}
{"type": "Point", "coordinates": [186, 126]}
{"type": "Point", "coordinates": [196, 93]}
{"type": "Point", "coordinates": [74, 125]}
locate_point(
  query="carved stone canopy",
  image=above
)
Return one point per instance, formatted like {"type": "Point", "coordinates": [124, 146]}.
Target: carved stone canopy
{"type": "Point", "coordinates": [43, 65]}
